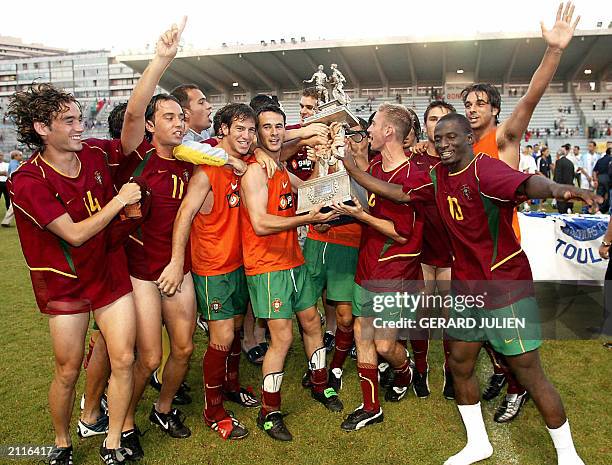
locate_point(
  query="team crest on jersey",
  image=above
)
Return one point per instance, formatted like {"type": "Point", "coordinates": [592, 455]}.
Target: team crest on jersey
{"type": "Point", "coordinates": [277, 304]}
{"type": "Point", "coordinates": [294, 164]}
{"type": "Point", "coordinates": [186, 176]}
{"type": "Point", "coordinates": [233, 200]}
{"type": "Point", "coordinates": [98, 177]}
{"type": "Point", "coordinates": [465, 190]}
{"type": "Point", "coordinates": [285, 201]}
{"type": "Point", "coordinates": [216, 306]}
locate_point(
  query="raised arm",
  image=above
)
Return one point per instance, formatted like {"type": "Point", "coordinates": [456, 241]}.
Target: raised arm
{"type": "Point", "coordinates": [557, 39]}
{"type": "Point", "coordinates": [133, 129]}
{"type": "Point", "coordinates": [172, 276]}
{"type": "Point", "coordinates": [540, 187]}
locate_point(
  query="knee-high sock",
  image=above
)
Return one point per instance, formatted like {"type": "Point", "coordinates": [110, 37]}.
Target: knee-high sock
{"type": "Point", "coordinates": [368, 380]}
{"type": "Point", "coordinates": [344, 341]}
{"type": "Point", "coordinates": [270, 392]}
{"type": "Point", "coordinates": [232, 374]}
{"type": "Point", "coordinates": [213, 367]}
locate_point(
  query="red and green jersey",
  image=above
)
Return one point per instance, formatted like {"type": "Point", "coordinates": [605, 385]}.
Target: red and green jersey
{"type": "Point", "coordinates": [68, 279]}
{"type": "Point", "coordinates": [386, 265]}
{"type": "Point", "coordinates": [299, 164]}
{"type": "Point", "coordinates": [149, 249]}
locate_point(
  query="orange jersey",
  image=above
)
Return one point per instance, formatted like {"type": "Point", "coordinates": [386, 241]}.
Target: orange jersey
{"type": "Point", "coordinates": [274, 252]}
{"type": "Point", "coordinates": [345, 234]}
{"type": "Point", "coordinates": [215, 237]}
{"type": "Point", "coordinates": [488, 144]}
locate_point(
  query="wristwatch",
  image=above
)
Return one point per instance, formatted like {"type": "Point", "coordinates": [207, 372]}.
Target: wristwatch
{"type": "Point", "coordinates": [606, 244]}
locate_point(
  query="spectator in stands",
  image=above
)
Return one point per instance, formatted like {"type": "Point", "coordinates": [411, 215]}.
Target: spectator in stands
{"type": "Point", "coordinates": [603, 104]}
{"type": "Point", "coordinates": [601, 179]}
{"type": "Point", "coordinates": [564, 174]}
{"type": "Point", "coordinates": [16, 160]}
{"type": "Point", "coordinates": [594, 105]}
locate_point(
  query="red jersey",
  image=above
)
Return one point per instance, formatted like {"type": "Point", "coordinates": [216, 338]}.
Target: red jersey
{"type": "Point", "coordinates": [150, 249]}
{"type": "Point", "coordinates": [68, 279]}
{"type": "Point", "coordinates": [215, 236]}
{"type": "Point", "coordinates": [436, 243]}
{"type": "Point", "coordinates": [477, 204]}
{"type": "Point", "coordinates": [274, 252]}
{"type": "Point", "coordinates": [385, 265]}
{"type": "Point", "coordinates": [299, 164]}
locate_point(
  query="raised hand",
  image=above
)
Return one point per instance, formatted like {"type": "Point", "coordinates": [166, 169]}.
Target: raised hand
{"type": "Point", "coordinates": [563, 30]}
{"type": "Point", "coordinates": [168, 42]}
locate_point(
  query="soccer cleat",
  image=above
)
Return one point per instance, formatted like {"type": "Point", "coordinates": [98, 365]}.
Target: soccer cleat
{"type": "Point", "coordinates": [131, 440]}
{"type": "Point", "coordinates": [386, 375]}
{"type": "Point", "coordinates": [114, 456]}
{"type": "Point", "coordinates": [243, 398]}
{"type": "Point", "coordinates": [420, 384]}
{"type": "Point", "coordinates": [396, 393]}
{"type": "Point", "coordinates": [86, 430]}
{"type": "Point", "coordinates": [329, 341]}
{"type": "Point", "coordinates": [334, 380]}
{"type": "Point", "coordinates": [103, 404]}
{"type": "Point", "coordinates": [496, 383]}
{"type": "Point", "coordinates": [306, 383]}
{"type": "Point", "coordinates": [448, 391]}
{"type": "Point", "coordinates": [170, 423]}
{"type": "Point", "coordinates": [60, 456]}
{"type": "Point", "coordinates": [180, 398]}
{"type": "Point", "coordinates": [353, 352]}
{"type": "Point", "coordinates": [274, 426]}
{"type": "Point", "coordinates": [229, 428]}
{"type": "Point", "coordinates": [329, 399]}
{"type": "Point", "coordinates": [361, 418]}
{"type": "Point", "coordinates": [202, 323]}
{"type": "Point", "coordinates": [510, 407]}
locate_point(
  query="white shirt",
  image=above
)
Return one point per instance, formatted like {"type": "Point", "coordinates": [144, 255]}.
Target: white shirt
{"type": "Point", "coordinates": [527, 164]}
{"type": "Point", "coordinates": [3, 167]}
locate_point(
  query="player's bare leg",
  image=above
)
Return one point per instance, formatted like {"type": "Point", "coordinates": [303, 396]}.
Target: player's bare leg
{"type": "Point", "coordinates": [148, 341]}
{"type": "Point", "coordinates": [388, 347]}
{"type": "Point", "coordinates": [462, 362]}
{"type": "Point", "coordinates": [97, 374]}
{"type": "Point", "coordinates": [67, 337]}
{"type": "Point", "coordinates": [254, 334]}
{"type": "Point", "coordinates": [528, 370]}
{"type": "Point", "coordinates": [178, 313]}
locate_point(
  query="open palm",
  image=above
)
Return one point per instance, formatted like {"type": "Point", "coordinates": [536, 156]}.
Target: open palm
{"type": "Point", "coordinates": [168, 42]}
{"type": "Point", "coordinates": [563, 30]}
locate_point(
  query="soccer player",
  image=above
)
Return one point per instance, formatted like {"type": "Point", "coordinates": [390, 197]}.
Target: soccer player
{"type": "Point", "coordinates": [476, 196]}
{"type": "Point", "coordinates": [64, 199]}
{"type": "Point", "coordinates": [212, 203]}
{"type": "Point", "coordinates": [149, 251]}
{"type": "Point", "coordinates": [279, 283]}
{"type": "Point", "coordinates": [388, 263]}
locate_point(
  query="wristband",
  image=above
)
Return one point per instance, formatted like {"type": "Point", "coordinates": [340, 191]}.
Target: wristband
{"type": "Point", "coordinates": [123, 204]}
{"type": "Point", "coordinates": [606, 244]}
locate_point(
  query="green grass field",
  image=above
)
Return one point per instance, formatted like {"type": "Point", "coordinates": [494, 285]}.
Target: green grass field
{"type": "Point", "coordinates": [415, 431]}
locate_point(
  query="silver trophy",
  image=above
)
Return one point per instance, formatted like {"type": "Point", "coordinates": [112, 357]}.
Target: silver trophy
{"type": "Point", "coordinates": [333, 184]}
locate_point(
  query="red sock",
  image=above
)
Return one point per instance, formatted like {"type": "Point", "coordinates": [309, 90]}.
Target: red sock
{"type": "Point", "coordinates": [318, 378]}
{"type": "Point", "coordinates": [92, 343]}
{"type": "Point", "coordinates": [368, 379]}
{"type": "Point", "coordinates": [446, 345]}
{"type": "Point", "coordinates": [420, 347]}
{"type": "Point", "coordinates": [498, 363]}
{"type": "Point", "coordinates": [344, 341]}
{"type": "Point", "coordinates": [403, 376]}
{"type": "Point", "coordinates": [213, 367]}
{"type": "Point", "coordinates": [514, 387]}
{"type": "Point", "coordinates": [232, 377]}
{"type": "Point", "coordinates": [271, 401]}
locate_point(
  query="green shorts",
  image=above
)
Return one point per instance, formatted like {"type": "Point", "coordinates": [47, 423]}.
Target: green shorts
{"type": "Point", "coordinates": [511, 330]}
{"type": "Point", "coordinates": [223, 296]}
{"type": "Point", "coordinates": [332, 267]}
{"type": "Point", "coordinates": [387, 308]}
{"type": "Point", "coordinates": [280, 294]}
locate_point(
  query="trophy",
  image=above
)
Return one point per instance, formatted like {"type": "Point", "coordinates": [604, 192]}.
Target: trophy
{"type": "Point", "coordinates": [328, 188]}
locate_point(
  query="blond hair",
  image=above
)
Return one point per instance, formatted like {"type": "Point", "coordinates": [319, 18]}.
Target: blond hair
{"type": "Point", "coordinates": [398, 117]}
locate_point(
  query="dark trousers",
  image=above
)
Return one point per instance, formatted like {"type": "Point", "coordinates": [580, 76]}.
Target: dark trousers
{"type": "Point", "coordinates": [4, 192]}
{"type": "Point", "coordinates": [563, 206]}
{"type": "Point", "coordinates": [606, 326]}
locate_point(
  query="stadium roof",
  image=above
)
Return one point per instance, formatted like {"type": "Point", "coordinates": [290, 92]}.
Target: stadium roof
{"type": "Point", "coordinates": [389, 62]}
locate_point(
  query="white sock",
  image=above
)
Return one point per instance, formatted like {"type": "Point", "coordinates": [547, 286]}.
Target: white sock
{"type": "Point", "coordinates": [564, 444]}
{"type": "Point", "coordinates": [478, 446]}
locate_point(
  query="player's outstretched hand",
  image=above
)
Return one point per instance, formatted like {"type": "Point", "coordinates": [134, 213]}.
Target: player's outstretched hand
{"type": "Point", "coordinates": [129, 193]}
{"type": "Point", "coordinates": [170, 279]}
{"type": "Point", "coordinates": [315, 215]}
{"type": "Point", "coordinates": [604, 252]}
{"type": "Point", "coordinates": [343, 209]}
{"type": "Point", "coordinates": [266, 162]}
{"type": "Point", "coordinates": [566, 193]}
{"type": "Point", "coordinates": [315, 129]}
{"type": "Point", "coordinates": [419, 147]}
{"type": "Point", "coordinates": [561, 33]}
{"type": "Point", "coordinates": [168, 42]}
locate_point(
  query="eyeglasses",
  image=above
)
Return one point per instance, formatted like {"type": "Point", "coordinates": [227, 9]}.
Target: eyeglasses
{"type": "Point", "coordinates": [356, 136]}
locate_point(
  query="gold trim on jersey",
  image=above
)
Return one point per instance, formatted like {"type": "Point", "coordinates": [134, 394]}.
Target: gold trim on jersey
{"type": "Point", "coordinates": [61, 173]}
{"type": "Point", "coordinates": [54, 271]}
{"type": "Point", "coordinates": [28, 215]}
{"type": "Point", "coordinates": [136, 240]}
{"type": "Point", "coordinates": [509, 257]}
{"type": "Point", "coordinates": [399, 255]}
{"type": "Point", "coordinates": [518, 333]}
{"type": "Point", "coordinates": [461, 171]}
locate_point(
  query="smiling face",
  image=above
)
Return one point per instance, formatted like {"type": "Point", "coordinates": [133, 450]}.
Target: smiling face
{"type": "Point", "coordinates": [64, 133]}
{"type": "Point", "coordinates": [168, 125]}
{"type": "Point", "coordinates": [239, 136]}
{"type": "Point", "coordinates": [271, 131]}
{"type": "Point", "coordinates": [479, 111]}
{"type": "Point", "coordinates": [433, 116]}
{"type": "Point", "coordinates": [453, 142]}
{"type": "Point", "coordinates": [198, 111]}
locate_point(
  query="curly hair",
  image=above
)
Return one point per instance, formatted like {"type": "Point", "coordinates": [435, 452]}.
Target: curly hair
{"type": "Point", "coordinates": [39, 103]}
{"type": "Point", "coordinates": [115, 120]}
